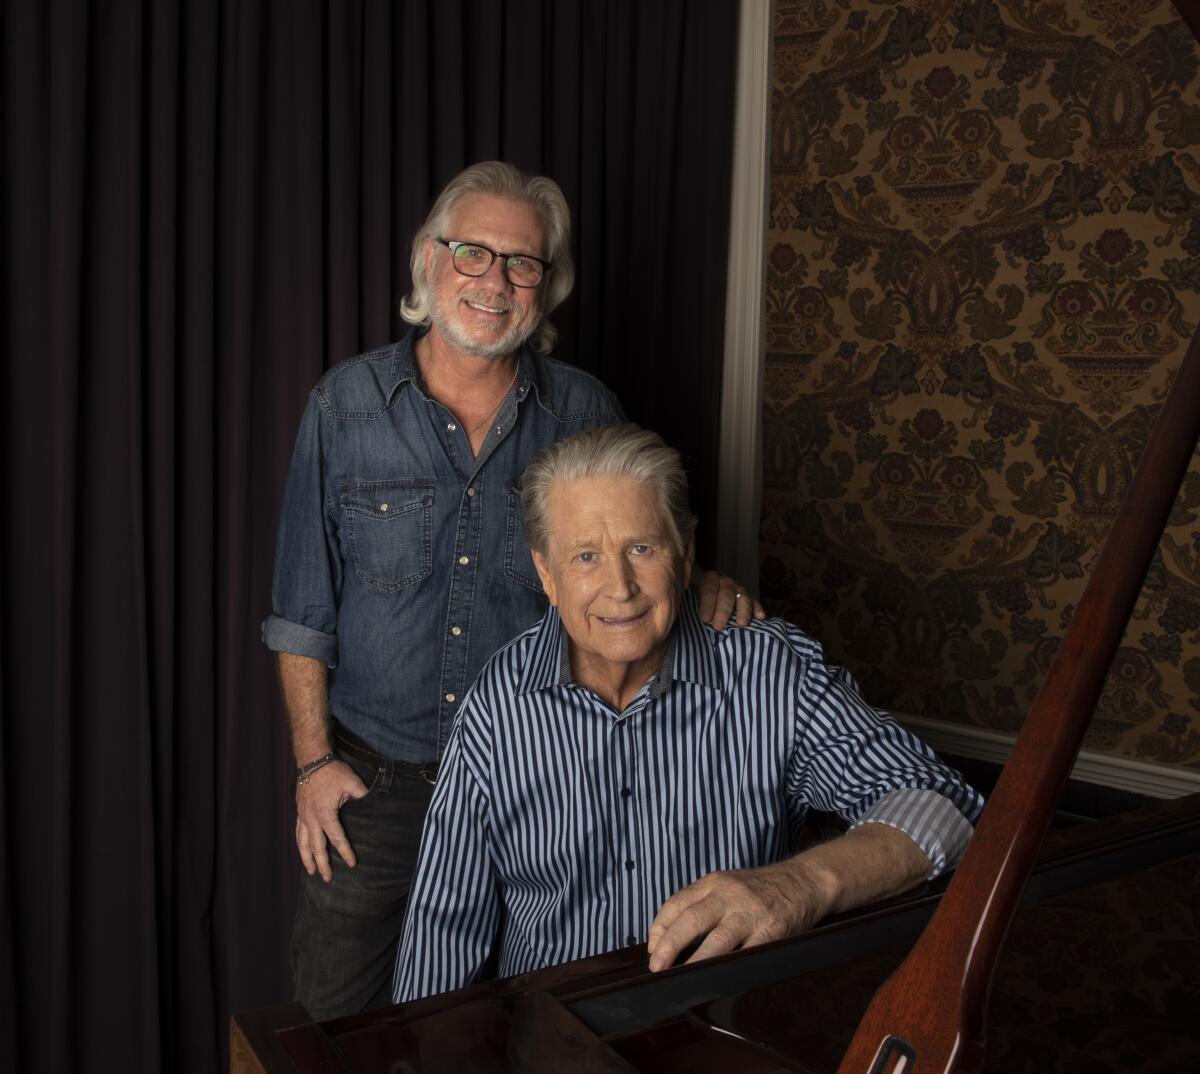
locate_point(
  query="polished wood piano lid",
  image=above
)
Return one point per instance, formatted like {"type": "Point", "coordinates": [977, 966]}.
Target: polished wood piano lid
{"type": "Point", "coordinates": [1105, 951]}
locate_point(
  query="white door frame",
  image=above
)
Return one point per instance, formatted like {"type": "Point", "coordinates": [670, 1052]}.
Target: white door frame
{"type": "Point", "coordinates": [739, 470]}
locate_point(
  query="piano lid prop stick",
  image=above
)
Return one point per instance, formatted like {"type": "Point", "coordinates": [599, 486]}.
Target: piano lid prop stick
{"type": "Point", "coordinates": [928, 1017]}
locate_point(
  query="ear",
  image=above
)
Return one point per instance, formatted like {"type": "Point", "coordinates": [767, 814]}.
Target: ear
{"type": "Point", "coordinates": [543, 569]}
{"type": "Point", "coordinates": [689, 561]}
{"type": "Point", "coordinates": [430, 250]}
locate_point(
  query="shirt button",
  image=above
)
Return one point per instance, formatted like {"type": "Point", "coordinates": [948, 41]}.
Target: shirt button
{"type": "Point", "coordinates": [464, 560]}
{"type": "Point", "coordinates": [470, 492]}
{"type": "Point", "coordinates": [451, 427]}
{"type": "Point", "coordinates": [383, 507]}
{"type": "Point", "coordinates": [629, 865]}
{"type": "Point", "coordinates": [625, 792]}
{"type": "Point", "coordinates": [631, 940]}
{"type": "Point", "coordinates": [450, 697]}
{"type": "Point", "coordinates": [456, 631]}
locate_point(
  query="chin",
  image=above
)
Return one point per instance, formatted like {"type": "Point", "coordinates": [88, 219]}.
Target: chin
{"type": "Point", "coordinates": [490, 346]}
{"type": "Point", "coordinates": [630, 653]}
{"type": "Point", "coordinates": [487, 350]}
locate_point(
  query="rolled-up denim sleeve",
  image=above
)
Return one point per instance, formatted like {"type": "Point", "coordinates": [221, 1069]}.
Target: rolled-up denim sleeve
{"type": "Point", "coordinates": [307, 581]}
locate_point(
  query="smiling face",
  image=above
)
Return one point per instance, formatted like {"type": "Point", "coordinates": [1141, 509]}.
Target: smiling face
{"type": "Point", "coordinates": [613, 571]}
{"type": "Point", "coordinates": [485, 315]}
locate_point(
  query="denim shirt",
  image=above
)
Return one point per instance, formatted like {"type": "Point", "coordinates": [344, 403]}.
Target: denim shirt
{"type": "Point", "coordinates": [401, 560]}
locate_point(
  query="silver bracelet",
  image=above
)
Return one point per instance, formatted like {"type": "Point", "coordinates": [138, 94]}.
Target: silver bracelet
{"type": "Point", "coordinates": [304, 772]}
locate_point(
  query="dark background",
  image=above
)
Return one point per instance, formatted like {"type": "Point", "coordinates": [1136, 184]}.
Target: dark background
{"type": "Point", "coordinates": [205, 205]}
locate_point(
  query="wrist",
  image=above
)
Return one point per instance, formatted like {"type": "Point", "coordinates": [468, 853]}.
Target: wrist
{"type": "Point", "coordinates": [306, 771]}
{"type": "Point", "coordinates": [817, 886]}
{"type": "Point", "coordinates": [311, 753]}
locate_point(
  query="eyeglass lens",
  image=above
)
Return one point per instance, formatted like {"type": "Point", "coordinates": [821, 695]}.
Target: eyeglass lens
{"type": "Point", "coordinates": [476, 260]}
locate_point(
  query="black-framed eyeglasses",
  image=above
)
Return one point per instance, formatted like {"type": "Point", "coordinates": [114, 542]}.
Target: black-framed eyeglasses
{"type": "Point", "coordinates": [521, 270]}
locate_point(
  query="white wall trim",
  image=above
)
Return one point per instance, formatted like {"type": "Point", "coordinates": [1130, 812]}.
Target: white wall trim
{"type": "Point", "coordinates": [1152, 780]}
{"type": "Point", "coordinates": [739, 471]}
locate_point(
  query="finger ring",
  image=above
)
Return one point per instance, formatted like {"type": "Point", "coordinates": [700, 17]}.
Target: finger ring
{"type": "Point", "coordinates": [736, 597]}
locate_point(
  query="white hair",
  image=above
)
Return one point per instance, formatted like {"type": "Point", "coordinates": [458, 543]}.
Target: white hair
{"type": "Point", "coordinates": [504, 180]}
{"type": "Point", "coordinates": [610, 451]}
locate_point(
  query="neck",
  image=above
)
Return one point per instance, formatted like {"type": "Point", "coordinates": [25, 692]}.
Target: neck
{"type": "Point", "coordinates": [616, 683]}
{"type": "Point", "coordinates": [458, 380]}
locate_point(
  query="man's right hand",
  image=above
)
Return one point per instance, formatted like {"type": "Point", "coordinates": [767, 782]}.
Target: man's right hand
{"type": "Point", "coordinates": [317, 822]}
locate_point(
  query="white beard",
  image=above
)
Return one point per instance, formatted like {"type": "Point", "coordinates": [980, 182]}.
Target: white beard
{"type": "Point", "coordinates": [459, 336]}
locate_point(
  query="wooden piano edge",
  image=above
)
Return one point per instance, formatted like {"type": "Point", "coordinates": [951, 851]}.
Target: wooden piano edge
{"type": "Point", "coordinates": [254, 1046]}
{"type": "Point", "coordinates": [602, 991]}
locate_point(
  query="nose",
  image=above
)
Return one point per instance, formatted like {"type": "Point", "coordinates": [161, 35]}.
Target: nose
{"type": "Point", "coordinates": [495, 277]}
{"type": "Point", "coordinates": [620, 582]}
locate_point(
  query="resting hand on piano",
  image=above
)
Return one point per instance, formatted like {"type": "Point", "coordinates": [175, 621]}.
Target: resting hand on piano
{"type": "Point", "coordinates": [746, 907]}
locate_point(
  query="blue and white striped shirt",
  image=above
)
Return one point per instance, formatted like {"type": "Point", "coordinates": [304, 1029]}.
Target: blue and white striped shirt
{"type": "Point", "coordinates": [560, 826]}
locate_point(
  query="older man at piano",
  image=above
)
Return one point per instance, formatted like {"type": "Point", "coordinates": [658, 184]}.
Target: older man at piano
{"type": "Point", "coordinates": [621, 773]}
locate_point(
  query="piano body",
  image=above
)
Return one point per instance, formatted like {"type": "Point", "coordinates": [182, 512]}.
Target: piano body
{"type": "Point", "coordinates": [1101, 972]}
{"type": "Point", "coordinates": [1103, 957]}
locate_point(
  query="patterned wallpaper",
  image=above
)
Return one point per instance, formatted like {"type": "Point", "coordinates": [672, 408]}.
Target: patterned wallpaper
{"type": "Point", "coordinates": [984, 265]}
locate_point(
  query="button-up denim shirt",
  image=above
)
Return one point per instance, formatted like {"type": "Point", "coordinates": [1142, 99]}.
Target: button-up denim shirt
{"type": "Point", "coordinates": [401, 560]}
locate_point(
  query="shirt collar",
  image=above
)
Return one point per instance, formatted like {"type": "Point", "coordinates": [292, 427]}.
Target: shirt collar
{"type": "Point", "coordinates": [404, 361]}
{"type": "Point", "coordinates": [690, 655]}
{"type": "Point", "coordinates": [693, 654]}
{"type": "Point", "coordinates": [520, 388]}
{"type": "Point", "coordinates": [547, 663]}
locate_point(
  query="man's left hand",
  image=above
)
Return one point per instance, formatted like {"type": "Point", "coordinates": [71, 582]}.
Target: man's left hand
{"type": "Point", "coordinates": [735, 909]}
{"type": "Point", "coordinates": [723, 600]}
{"type": "Point", "coordinates": [745, 907]}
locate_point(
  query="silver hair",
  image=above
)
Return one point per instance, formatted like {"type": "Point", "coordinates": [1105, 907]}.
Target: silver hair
{"type": "Point", "coordinates": [611, 451]}
{"type": "Point", "coordinates": [504, 180]}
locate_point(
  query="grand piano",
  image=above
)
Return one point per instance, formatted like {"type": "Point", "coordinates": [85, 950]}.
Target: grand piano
{"type": "Point", "coordinates": [1101, 973]}
{"type": "Point", "coordinates": [1053, 947]}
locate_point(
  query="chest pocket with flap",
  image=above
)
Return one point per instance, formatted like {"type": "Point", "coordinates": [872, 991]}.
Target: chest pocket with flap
{"type": "Point", "coordinates": [388, 527]}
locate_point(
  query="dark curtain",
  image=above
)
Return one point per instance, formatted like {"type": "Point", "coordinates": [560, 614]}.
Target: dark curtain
{"type": "Point", "coordinates": [205, 205]}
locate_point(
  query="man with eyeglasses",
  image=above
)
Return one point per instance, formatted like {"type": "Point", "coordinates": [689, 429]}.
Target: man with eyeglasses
{"type": "Point", "coordinates": [401, 563]}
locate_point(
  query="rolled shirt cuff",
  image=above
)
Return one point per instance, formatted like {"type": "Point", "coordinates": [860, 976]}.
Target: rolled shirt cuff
{"type": "Point", "coordinates": [929, 819]}
{"type": "Point", "coordinates": [283, 636]}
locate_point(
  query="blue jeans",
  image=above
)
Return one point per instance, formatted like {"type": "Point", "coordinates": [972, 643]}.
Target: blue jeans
{"type": "Point", "coordinates": [346, 932]}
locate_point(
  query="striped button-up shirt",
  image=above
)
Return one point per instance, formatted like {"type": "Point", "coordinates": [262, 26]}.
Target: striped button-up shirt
{"type": "Point", "coordinates": [559, 826]}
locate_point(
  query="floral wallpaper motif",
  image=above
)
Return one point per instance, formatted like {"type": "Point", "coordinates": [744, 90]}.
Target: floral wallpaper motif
{"type": "Point", "coordinates": [984, 266]}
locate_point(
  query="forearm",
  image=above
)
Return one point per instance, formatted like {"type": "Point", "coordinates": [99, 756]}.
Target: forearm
{"type": "Point", "coordinates": [752, 906]}
{"type": "Point", "coordinates": [304, 684]}
{"type": "Point", "coordinates": [870, 862]}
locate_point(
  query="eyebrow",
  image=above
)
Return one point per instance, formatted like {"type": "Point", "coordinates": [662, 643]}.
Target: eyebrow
{"type": "Point", "coordinates": [657, 538]}
{"type": "Point", "coordinates": [499, 253]}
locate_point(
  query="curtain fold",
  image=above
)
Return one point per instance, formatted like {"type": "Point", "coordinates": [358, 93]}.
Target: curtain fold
{"type": "Point", "coordinates": [206, 205]}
